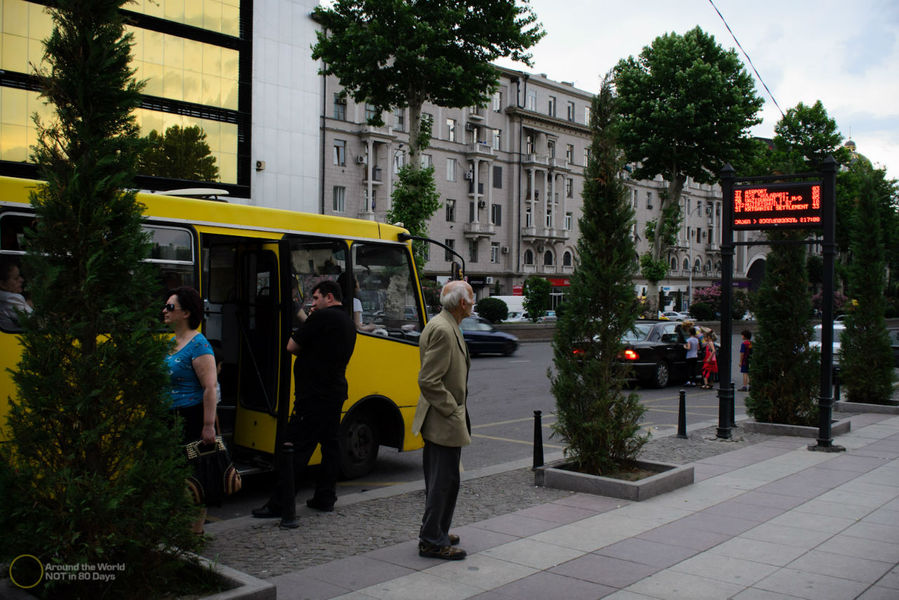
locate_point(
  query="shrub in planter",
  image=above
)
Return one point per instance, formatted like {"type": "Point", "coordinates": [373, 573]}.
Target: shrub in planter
{"type": "Point", "coordinates": [493, 309]}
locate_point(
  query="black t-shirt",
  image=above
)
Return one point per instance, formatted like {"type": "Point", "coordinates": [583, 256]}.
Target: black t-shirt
{"type": "Point", "coordinates": [326, 341]}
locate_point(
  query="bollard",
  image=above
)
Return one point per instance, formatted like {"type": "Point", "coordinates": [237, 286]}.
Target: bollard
{"type": "Point", "coordinates": [538, 440]}
{"type": "Point", "coordinates": [288, 490]}
{"type": "Point", "coordinates": [682, 415]}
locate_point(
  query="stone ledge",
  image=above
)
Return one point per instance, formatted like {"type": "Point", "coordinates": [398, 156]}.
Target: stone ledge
{"type": "Point", "coordinates": [837, 428]}
{"type": "Point", "coordinates": [861, 407]}
{"type": "Point", "coordinates": [245, 587]}
{"type": "Point", "coordinates": [668, 477]}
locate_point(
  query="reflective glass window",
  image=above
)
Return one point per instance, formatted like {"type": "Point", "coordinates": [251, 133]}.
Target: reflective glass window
{"type": "Point", "coordinates": [221, 16]}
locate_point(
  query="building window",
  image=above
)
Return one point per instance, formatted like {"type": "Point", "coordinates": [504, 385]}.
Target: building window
{"type": "Point", "coordinates": [497, 177]}
{"type": "Point", "coordinates": [339, 107]}
{"type": "Point", "coordinates": [451, 130]}
{"type": "Point", "coordinates": [498, 101]}
{"type": "Point", "coordinates": [450, 211]}
{"type": "Point", "coordinates": [339, 199]}
{"type": "Point", "coordinates": [369, 206]}
{"type": "Point", "coordinates": [370, 112]}
{"type": "Point", "coordinates": [549, 218]}
{"type": "Point", "coordinates": [569, 187]}
{"type": "Point", "coordinates": [528, 218]}
{"type": "Point", "coordinates": [636, 195]}
{"type": "Point", "coordinates": [566, 259]}
{"type": "Point", "coordinates": [399, 160]}
{"type": "Point", "coordinates": [496, 214]}
{"type": "Point", "coordinates": [399, 119]}
{"type": "Point", "coordinates": [686, 265]}
{"type": "Point", "coordinates": [586, 156]}
{"type": "Point", "coordinates": [569, 220]}
{"type": "Point", "coordinates": [548, 259]}
{"type": "Point", "coordinates": [571, 111]}
{"type": "Point", "coordinates": [497, 139]}
{"type": "Point", "coordinates": [649, 200]}
{"type": "Point", "coordinates": [529, 144]}
{"type": "Point", "coordinates": [551, 149]}
{"type": "Point", "coordinates": [586, 115]}
{"type": "Point", "coordinates": [451, 169]}
{"type": "Point", "coordinates": [528, 257]}
{"type": "Point", "coordinates": [674, 263]}
{"type": "Point", "coordinates": [697, 266]}
{"type": "Point", "coordinates": [471, 212]}
{"type": "Point", "coordinates": [447, 255]}
{"type": "Point", "coordinates": [340, 153]}
{"type": "Point", "coordinates": [494, 252]}
{"type": "Point", "coordinates": [569, 153]}
{"type": "Point", "coordinates": [473, 251]}
{"type": "Point", "coordinates": [532, 100]}
{"type": "Point", "coordinates": [427, 161]}
{"type": "Point", "coordinates": [551, 106]}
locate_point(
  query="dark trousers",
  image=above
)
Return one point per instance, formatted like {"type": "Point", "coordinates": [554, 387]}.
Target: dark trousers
{"type": "Point", "coordinates": [305, 431]}
{"type": "Point", "coordinates": [691, 369]}
{"type": "Point", "coordinates": [441, 469]}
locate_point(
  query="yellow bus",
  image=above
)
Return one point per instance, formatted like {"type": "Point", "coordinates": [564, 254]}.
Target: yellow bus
{"type": "Point", "coordinates": [254, 267]}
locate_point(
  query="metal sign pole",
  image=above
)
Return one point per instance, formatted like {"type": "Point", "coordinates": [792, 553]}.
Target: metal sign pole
{"type": "Point", "coordinates": [725, 390]}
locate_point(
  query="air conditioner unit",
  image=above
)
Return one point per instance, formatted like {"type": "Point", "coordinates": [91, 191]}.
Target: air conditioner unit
{"type": "Point", "coordinates": [505, 250]}
{"type": "Point", "coordinates": [360, 160]}
{"type": "Point", "coordinates": [488, 280]}
{"type": "Point", "coordinates": [482, 204]}
{"type": "Point", "coordinates": [468, 175]}
{"type": "Point", "coordinates": [470, 126]}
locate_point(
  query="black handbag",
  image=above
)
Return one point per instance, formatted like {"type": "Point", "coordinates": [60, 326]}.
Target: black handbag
{"type": "Point", "coordinates": [214, 475]}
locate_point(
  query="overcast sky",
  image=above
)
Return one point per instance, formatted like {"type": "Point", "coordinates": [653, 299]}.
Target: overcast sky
{"type": "Point", "coordinates": [844, 53]}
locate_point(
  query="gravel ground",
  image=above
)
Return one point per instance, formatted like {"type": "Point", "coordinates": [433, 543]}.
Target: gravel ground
{"type": "Point", "coordinates": [261, 549]}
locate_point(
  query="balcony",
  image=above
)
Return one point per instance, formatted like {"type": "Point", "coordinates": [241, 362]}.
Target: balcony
{"type": "Point", "coordinates": [560, 164]}
{"type": "Point", "coordinates": [471, 189]}
{"type": "Point", "coordinates": [376, 175]}
{"type": "Point", "coordinates": [535, 160]}
{"type": "Point", "coordinates": [479, 150]}
{"type": "Point", "coordinates": [478, 230]}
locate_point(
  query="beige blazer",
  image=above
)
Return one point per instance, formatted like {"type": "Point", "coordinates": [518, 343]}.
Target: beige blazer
{"type": "Point", "coordinates": [441, 415]}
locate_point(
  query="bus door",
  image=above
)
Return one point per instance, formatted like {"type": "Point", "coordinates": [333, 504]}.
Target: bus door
{"type": "Point", "coordinates": [244, 320]}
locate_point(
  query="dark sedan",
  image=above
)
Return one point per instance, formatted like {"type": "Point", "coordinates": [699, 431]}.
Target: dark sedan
{"type": "Point", "coordinates": [655, 352]}
{"type": "Point", "coordinates": [482, 337]}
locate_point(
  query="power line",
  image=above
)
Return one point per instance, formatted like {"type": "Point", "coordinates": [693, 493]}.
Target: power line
{"type": "Point", "coordinates": [740, 46]}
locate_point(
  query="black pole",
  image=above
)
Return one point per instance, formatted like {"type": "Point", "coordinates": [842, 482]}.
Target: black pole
{"type": "Point", "coordinates": [828, 221]}
{"type": "Point", "coordinates": [725, 390]}
{"type": "Point", "coordinates": [682, 415]}
{"type": "Point", "coordinates": [538, 439]}
{"type": "Point", "coordinates": [288, 490]}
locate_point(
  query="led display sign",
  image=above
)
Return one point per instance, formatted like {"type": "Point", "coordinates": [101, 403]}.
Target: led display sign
{"type": "Point", "coordinates": [777, 206]}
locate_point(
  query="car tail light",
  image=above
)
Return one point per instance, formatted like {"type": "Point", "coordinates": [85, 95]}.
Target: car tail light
{"type": "Point", "coordinates": [579, 352]}
{"type": "Point", "coordinates": [631, 355]}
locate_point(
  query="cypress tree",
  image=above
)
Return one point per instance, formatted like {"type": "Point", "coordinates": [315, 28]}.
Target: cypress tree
{"type": "Point", "coordinates": [597, 420]}
{"type": "Point", "coordinates": [783, 370]}
{"type": "Point", "coordinates": [92, 474]}
{"type": "Point", "coordinates": [867, 359]}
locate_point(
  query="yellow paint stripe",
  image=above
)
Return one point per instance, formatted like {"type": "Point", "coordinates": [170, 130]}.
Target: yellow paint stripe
{"type": "Point", "coordinates": [501, 439]}
{"type": "Point", "coordinates": [526, 419]}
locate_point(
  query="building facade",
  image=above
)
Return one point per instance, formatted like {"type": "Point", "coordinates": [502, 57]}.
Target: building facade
{"type": "Point", "coordinates": [509, 174]}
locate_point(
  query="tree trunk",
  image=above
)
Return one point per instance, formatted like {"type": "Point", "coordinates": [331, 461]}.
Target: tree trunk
{"type": "Point", "coordinates": [675, 187]}
{"type": "Point", "coordinates": [415, 146]}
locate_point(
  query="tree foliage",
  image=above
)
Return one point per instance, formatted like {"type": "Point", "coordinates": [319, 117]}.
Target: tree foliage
{"type": "Point", "coordinates": [784, 370]}
{"type": "Point", "coordinates": [181, 153]}
{"type": "Point", "coordinates": [413, 201]}
{"type": "Point", "coordinates": [686, 106]}
{"type": "Point", "coordinates": [92, 472]}
{"type": "Point", "coordinates": [804, 137]}
{"type": "Point", "coordinates": [866, 356]}
{"type": "Point", "coordinates": [597, 420]}
{"type": "Point", "coordinates": [493, 309]}
{"type": "Point", "coordinates": [537, 300]}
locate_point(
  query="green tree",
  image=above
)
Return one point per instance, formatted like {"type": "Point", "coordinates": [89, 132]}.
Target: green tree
{"type": "Point", "coordinates": [783, 369]}
{"type": "Point", "coordinates": [182, 153]}
{"type": "Point", "coordinates": [493, 309]}
{"type": "Point", "coordinates": [805, 136]}
{"type": "Point", "coordinates": [536, 291]}
{"type": "Point", "coordinates": [415, 199]}
{"type": "Point", "coordinates": [597, 420]}
{"type": "Point", "coordinates": [686, 106]}
{"type": "Point", "coordinates": [92, 472]}
{"type": "Point", "coordinates": [866, 358]}
{"type": "Point", "coordinates": [401, 54]}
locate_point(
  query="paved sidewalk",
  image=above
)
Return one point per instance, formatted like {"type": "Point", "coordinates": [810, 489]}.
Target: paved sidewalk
{"type": "Point", "coordinates": [768, 521]}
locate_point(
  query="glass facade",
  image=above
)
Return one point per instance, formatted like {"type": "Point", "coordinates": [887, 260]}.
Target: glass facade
{"type": "Point", "coordinates": [192, 75]}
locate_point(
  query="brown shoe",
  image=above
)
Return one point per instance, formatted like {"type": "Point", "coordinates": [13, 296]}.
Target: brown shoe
{"type": "Point", "coordinates": [444, 552]}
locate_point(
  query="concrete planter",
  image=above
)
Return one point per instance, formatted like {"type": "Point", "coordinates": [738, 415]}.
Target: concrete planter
{"type": "Point", "coordinates": [837, 428]}
{"type": "Point", "coordinates": [244, 587]}
{"type": "Point", "coordinates": [667, 478]}
{"type": "Point", "coordinates": [861, 407]}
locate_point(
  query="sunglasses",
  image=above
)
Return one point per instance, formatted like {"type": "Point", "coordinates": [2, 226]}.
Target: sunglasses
{"type": "Point", "coordinates": [169, 307]}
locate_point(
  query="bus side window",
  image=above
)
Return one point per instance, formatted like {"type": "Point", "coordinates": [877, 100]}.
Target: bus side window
{"type": "Point", "coordinates": [172, 251]}
{"type": "Point", "coordinates": [387, 290]}
{"type": "Point", "coordinates": [313, 260]}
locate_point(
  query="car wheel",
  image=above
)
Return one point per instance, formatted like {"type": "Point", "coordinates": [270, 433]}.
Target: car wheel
{"type": "Point", "coordinates": [358, 445]}
{"type": "Point", "coordinates": [662, 374]}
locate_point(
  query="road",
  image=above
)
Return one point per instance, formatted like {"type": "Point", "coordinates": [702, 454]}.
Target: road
{"type": "Point", "coordinates": [504, 393]}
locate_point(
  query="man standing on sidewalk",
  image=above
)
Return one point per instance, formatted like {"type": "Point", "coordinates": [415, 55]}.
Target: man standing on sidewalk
{"type": "Point", "coordinates": [442, 418]}
{"type": "Point", "coordinates": [323, 343]}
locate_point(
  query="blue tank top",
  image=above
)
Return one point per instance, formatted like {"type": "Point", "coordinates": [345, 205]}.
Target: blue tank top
{"type": "Point", "coordinates": [186, 389]}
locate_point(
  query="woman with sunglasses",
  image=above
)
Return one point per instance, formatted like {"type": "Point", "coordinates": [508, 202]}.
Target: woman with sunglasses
{"type": "Point", "coordinates": [191, 364]}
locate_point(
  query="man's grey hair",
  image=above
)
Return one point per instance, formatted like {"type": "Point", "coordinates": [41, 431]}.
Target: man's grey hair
{"type": "Point", "coordinates": [452, 293]}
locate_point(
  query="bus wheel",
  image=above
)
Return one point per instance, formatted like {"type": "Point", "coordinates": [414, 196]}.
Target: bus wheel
{"type": "Point", "coordinates": [358, 446]}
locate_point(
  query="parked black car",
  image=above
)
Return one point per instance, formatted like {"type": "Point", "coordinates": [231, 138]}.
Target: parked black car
{"type": "Point", "coordinates": [655, 352]}
{"type": "Point", "coordinates": [482, 337]}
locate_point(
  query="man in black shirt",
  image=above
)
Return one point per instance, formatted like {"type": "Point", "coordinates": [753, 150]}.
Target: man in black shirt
{"type": "Point", "coordinates": [323, 344]}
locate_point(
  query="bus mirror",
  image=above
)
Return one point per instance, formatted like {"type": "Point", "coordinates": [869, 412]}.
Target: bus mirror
{"type": "Point", "coordinates": [457, 271]}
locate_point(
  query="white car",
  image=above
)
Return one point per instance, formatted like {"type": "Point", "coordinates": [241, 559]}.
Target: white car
{"type": "Point", "coordinates": [672, 315]}
{"type": "Point", "coordinates": [815, 342]}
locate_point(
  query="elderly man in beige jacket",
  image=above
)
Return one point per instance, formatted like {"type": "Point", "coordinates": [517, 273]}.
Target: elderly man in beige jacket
{"type": "Point", "coordinates": [442, 418]}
